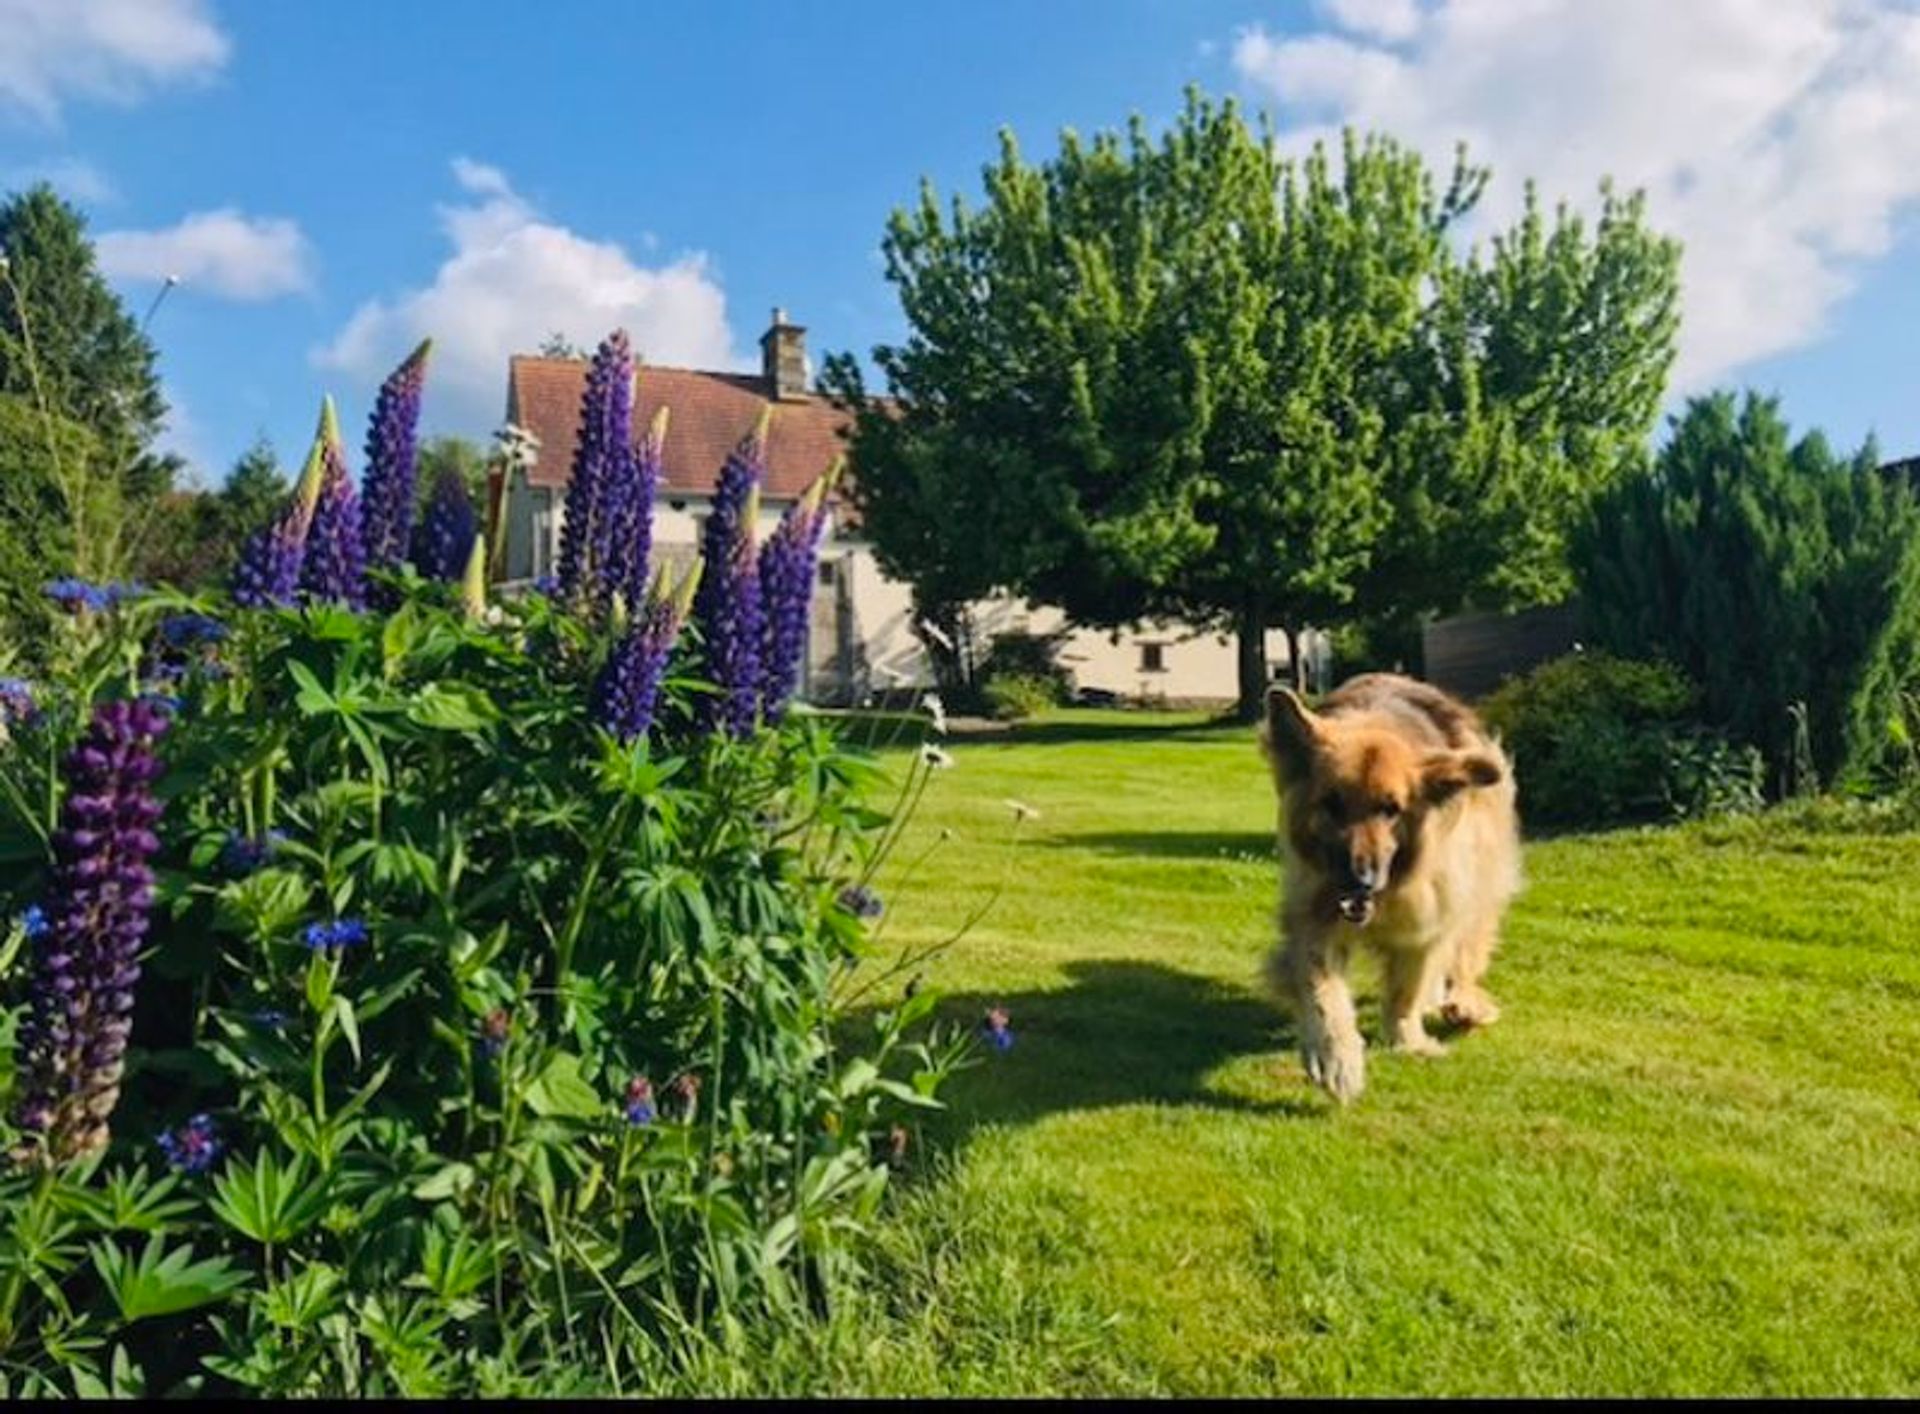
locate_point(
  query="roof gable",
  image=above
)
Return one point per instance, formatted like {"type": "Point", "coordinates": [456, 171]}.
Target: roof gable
{"type": "Point", "coordinates": [708, 414]}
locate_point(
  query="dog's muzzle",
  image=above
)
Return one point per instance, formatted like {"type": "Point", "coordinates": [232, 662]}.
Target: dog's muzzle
{"type": "Point", "coordinates": [1356, 906]}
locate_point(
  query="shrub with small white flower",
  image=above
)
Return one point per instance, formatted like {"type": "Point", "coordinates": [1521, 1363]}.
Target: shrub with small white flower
{"type": "Point", "coordinates": [418, 999]}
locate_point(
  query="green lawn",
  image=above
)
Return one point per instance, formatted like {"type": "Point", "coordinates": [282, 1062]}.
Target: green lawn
{"type": "Point", "coordinates": [1686, 1161]}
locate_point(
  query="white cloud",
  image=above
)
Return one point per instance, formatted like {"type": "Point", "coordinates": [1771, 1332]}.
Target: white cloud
{"type": "Point", "coordinates": [1779, 142]}
{"type": "Point", "coordinates": [514, 277]}
{"type": "Point", "coordinates": [220, 252]}
{"type": "Point", "coordinates": [117, 50]}
{"type": "Point", "coordinates": [73, 177]}
{"type": "Point", "coordinates": [1390, 20]}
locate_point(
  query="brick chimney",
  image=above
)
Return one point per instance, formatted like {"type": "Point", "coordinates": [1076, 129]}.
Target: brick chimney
{"type": "Point", "coordinates": [783, 358]}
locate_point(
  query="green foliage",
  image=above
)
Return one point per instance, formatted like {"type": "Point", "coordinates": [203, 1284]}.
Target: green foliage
{"type": "Point", "coordinates": [1011, 695]}
{"type": "Point", "coordinates": [82, 405]}
{"type": "Point", "coordinates": [193, 538]}
{"type": "Point", "coordinates": [37, 521]}
{"type": "Point", "coordinates": [1598, 740]}
{"type": "Point", "coordinates": [1776, 574]}
{"type": "Point", "coordinates": [458, 454]}
{"type": "Point", "coordinates": [1191, 377]}
{"type": "Point", "coordinates": [430, 1179]}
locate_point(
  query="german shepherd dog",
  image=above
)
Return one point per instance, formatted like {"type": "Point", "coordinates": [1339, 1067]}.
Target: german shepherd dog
{"type": "Point", "coordinates": [1398, 830]}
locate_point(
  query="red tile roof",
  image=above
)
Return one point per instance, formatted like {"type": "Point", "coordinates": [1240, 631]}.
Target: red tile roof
{"type": "Point", "coordinates": [708, 414]}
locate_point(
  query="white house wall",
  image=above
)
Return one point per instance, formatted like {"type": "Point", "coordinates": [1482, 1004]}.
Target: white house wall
{"type": "Point", "coordinates": [1192, 666]}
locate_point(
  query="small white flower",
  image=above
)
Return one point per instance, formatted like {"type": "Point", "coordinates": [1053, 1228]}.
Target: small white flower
{"type": "Point", "coordinates": [1022, 811]}
{"type": "Point", "coordinates": [935, 758]}
{"type": "Point", "coordinates": [937, 710]}
{"type": "Point", "coordinates": [932, 630]}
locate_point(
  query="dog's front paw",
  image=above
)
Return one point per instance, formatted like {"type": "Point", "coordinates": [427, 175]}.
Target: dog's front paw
{"type": "Point", "coordinates": [1338, 1066]}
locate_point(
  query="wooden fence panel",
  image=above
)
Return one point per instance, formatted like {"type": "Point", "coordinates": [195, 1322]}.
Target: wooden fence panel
{"type": "Point", "coordinates": [1473, 654]}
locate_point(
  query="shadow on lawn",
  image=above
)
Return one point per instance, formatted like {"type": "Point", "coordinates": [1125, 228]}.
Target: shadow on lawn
{"type": "Point", "coordinates": [1101, 731]}
{"type": "Point", "coordinates": [1123, 1033]}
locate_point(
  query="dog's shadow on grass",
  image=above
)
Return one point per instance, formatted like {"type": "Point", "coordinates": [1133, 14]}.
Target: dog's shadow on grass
{"type": "Point", "coordinates": [1123, 1033]}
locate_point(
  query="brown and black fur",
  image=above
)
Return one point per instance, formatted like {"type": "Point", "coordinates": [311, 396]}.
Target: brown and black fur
{"type": "Point", "coordinates": [1399, 831]}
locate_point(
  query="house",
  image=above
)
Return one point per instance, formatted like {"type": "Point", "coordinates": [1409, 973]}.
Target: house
{"type": "Point", "coordinates": [863, 641]}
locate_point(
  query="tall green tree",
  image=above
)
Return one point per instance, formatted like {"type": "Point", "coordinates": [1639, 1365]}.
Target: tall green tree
{"type": "Point", "coordinates": [1190, 377]}
{"type": "Point", "coordinates": [459, 454]}
{"type": "Point", "coordinates": [194, 537]}
{"type": "Point", "coordinates": [1777, 574]}
{"type": "Point", "coordinates": [71, 351]}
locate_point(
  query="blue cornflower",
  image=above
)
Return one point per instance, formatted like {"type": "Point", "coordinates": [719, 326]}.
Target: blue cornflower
{"type": "Point", "coordinates": [34, 920]}
{"type": "Point", "coordinates": [546, 584]}
{"type": "Point", "coordinates": [241, 855]}
{"type": "Point", "coordinates": [271, 1019]}
{"type": "Point", "coordinates": [191, 630]}
{"type": "Point", "coordinates": [74, 595]}
{"type": "Point", "coordinates": [640, 1108]}
{"type": "Point", "coordinates": [193, 1147]}
{"type": "Point", "coordinates": [995, 1029]}
{"type": "Point", "coordinates": [16, 701]}
{"type": "Point", "coordinates": [861, 901]}
{"type": "Point", "coordinates": [120, 591]}
{"type": "Point", "coordinates": [346, 933]}
{"type": "Point", "coordinates": [164, 699]}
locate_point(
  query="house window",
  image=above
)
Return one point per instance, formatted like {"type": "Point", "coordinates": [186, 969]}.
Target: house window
{"type": "Point", "coordinates": [826, 574]}
{"type": "Point", "coordinates": [1153, 657]}
{"type": "Point", "coordinates": [543, 529]}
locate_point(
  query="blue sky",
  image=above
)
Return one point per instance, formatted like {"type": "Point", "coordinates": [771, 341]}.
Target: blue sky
{"type": "Point", "coordinates": [334, 180]}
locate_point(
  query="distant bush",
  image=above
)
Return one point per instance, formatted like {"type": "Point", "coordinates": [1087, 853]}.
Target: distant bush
{"type": "Point", "coordinates": [1028, 655]}
{"type": "Point", "coordinates": [1598, 739]}
{"type": "Point", "coordinates": [1011, 696]}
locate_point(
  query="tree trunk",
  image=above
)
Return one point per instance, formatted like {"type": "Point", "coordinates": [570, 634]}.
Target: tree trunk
{"type": "Point", "coordinates": [1253, 661]}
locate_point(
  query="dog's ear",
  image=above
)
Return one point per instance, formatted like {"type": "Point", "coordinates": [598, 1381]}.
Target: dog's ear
{"type": "Point", "coordinates": [1291, 733]}
{"type": "Point", "coordinates": [1447, 773]}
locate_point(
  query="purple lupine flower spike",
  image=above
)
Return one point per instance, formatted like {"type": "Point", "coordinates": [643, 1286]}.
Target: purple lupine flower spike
{"type": "Point", "coordinates": [600, 476]}
{"type": "Point", "coordinates": [630, 529]}
{"type": "Point", "coordinates": [629, 687]}
{"type": "Point", "coordinates": [444, 538]}
{"type": "Point", "coordinates": [268, 574]}
{"type": "Point", "coordinates": [728, 607]}
{"type": "Point", "coordinates": [386, 501]}
{"type": "Point", "coordinates": [87, 951]}
{"type": "Point", "coordinates": [787, 563]}
{"type": "Point", "coordinates": [333, 567]}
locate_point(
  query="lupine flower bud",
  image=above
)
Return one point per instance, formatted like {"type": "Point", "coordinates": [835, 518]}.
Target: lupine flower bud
{"type": "Point", "coordinates": [332, 567]}
{"type": "Point", "coordinates": [686, 1095]}
{"type": "Point", "coordinates": [473, 584]}
{"type": "Point", "coordinates": [268, 573]}
{"type": "Point", "coordinates": [386, 510]}
{"type": "Point", "coordinates": [787, 564]}
{"type": "Point", "coordinates": [629, 687]}
{"type": "Point", "coordinates": [87, 953]}
{"type": "Point", "coordinates": [601, 476]}
{"type": "Point", "coordinates": [444, 539]}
